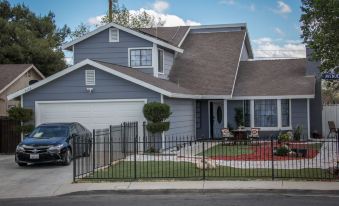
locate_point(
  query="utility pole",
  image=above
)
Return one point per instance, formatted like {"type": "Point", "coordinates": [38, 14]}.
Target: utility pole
{"type": "Point", "coordinates": [110, 4]}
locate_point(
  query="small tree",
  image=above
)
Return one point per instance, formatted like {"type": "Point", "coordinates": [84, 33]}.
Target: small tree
{"type": "Point", "coordinates": [156, 114]}
{"type": "Point", "coordinates": [239, 117]}
{"type": "Point", "coordinates": [22, 115]}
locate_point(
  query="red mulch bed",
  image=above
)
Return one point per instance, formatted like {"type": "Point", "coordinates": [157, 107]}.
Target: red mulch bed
{"type": "Point", "coordinates": [263, 152]}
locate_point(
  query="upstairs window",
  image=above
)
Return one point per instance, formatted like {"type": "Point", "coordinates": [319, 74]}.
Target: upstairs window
{"type": "Point", "coordinates": [160, 61]}
{"type": "Point", "coordinates": [90, 77]}
{"type": "Point", "coordinates": [140, 57]}
{"type": "Point", "coordinates": [113, 35]}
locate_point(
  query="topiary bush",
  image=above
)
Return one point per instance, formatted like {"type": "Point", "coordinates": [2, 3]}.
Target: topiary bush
{"type": "Point", "coordinates": [156, 113]}
{"type": "Point", "coordinates": [282, 151]}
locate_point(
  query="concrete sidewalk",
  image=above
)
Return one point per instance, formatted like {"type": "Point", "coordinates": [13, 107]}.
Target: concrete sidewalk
{"type": "Point", "coordinates": [202, 186]}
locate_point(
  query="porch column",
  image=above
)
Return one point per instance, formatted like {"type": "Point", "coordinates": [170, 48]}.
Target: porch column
{"type": "Point", "coordinates": [308, 120]}
{"type": "Point", "coordinates": [252, 112]}
{"type": "Point", "coordinates": [225, 113]}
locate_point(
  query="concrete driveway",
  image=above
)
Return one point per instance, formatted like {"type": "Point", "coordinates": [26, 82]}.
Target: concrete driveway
{"type": "Point", "coordinates": [30, 181]}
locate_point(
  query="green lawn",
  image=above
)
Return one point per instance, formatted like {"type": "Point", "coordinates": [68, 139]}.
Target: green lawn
{"type": "Point", "coordinates": [227, 150]}
{"type": "Point", "coordinates": [173, 170]}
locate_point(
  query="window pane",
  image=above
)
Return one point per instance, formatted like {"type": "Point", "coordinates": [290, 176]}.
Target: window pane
{"type": "Point", "coordinates": [285, 112]}
{"type": "Point", "coordinates": [265, 113]}
{"type": "Point", "coordinates": [160, 61]}
{"type": "Point", "coordinates": [141, 57]}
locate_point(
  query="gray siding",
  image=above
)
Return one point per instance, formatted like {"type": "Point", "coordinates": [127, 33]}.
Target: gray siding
{"type": "Point", "coordinates": [299, 115]}
{"type": "Point", "coordinates": [168, 63]}
{"type": "Point", "coordinates": [98, 47]}
{"type": "Point", "coordinates": [231, 106]}
{"type": "Point", "coordinates": [72, 87]}
{"type": "Point", "coordinates": [182, 120]}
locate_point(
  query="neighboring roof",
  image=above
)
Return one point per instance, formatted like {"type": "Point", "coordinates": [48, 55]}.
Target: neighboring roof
{"type": "Point", "coordinates": [172, 35]}
{"type": "Point", "coordinates": [161, 86]}
{"type": "Point", "coordinates": [68, 45]}
{"type": "Point", "coordinates": [210, 61]}
{"type": "Point", "coordinates": [284, 77]}
{"type": "Point", "coordinates": [10, 73]}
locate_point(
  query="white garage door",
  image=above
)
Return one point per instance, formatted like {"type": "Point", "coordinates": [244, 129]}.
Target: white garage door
{"type": "Point", "coordinates": [92, 114]}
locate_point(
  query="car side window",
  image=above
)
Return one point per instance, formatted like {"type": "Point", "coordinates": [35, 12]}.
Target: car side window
{"type": "Point", "coordinates": [73, 130]}
{"type": "Point", "coordinates": [80, 128]}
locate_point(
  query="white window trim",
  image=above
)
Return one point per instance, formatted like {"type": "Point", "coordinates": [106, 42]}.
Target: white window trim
{"type": "Point", "coordinates": [86, 82]}
{"type": "Point", "coordinates": [110, 35]}
{"type": "Point", "coordinates": [279, 127]}
{"type": "Point", "coordinates": [163, 61]}
{"type": "Point", "coordinates": [129, 57]}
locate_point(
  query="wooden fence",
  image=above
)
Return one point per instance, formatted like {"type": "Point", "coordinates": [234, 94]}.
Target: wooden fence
{"type": "Point", "coordinates": [9, 136]}
{"type": "Point", "coordinates": [330, 113]}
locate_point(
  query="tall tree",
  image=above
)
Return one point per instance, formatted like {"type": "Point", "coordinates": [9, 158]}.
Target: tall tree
{"type": "Point", "coordinates": [320, 31]}
{"type": "Point", "coordinates": [122, 16]}
{"type": "Point", "coordinates": [28, 38]}
{"type": "Point", "coordinates": [80, 30]}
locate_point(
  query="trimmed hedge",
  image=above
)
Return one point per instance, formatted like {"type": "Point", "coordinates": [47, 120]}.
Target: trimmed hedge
{"type": "Point", "coordinates": [156, 113]}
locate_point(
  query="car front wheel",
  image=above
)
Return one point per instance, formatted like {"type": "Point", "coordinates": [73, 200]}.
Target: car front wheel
{"type": "Point", "coordinates": [67, 157]}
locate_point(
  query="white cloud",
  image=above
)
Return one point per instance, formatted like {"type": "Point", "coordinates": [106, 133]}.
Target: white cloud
{"type": "Point", "coordinates": [160, 6]}
{"type": "Point", "coordinates": [279, 31]}
{"type": "Point", "coordinates": [170, 19]}
{"type": "Point", "coordinates": [283, 8]}
{"type": "Point", "coordinates": [230, 2]}
{"type": "Point", "coordinates": [266, 48]}
{"type": "Point", "coordinates": [69, 60]}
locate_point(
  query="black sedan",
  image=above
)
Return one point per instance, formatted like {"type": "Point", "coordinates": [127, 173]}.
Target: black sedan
{"type": "Point", "coordinates": [53, 142]}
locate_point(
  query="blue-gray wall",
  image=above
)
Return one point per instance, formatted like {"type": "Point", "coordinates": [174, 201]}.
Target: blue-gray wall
{"type": "Point", "coordinates": [168, 63]}
{"type": "Point", "coordinates": [203, 131]}
{"type": "Point", "coordinates": [72, 87]}
{"type": "Point", "coordinates": [299, 115]}
{"type": "Point", "coordinates": [98, 47]}
{"type": "Point", "coordinates": [182, 120]}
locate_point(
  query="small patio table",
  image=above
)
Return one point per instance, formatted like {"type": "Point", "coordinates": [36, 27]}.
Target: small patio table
{"type": "Point", "coordinates": [240, 134]}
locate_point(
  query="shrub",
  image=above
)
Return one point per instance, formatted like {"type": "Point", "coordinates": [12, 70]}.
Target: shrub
{"type": "Point", "coordinates": [297, 133]}
{"type": "Point", "coordinates": [284, 137]}
{"type": "Point", "coordinates": [156, 114]}
{"type": "Point", "coordinates": [282, 151]}
{"type": "Point", "coordinates": [22, 115]}
{"type": "Point", "coordinates": [239, 117]}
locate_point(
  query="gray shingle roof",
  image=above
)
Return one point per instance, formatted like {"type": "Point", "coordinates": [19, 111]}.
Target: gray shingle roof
{"type": "Point", "coordinates": [171, 35]}
{"type": "Point", "coordinates": [209, 63]}
{"type": "Point", "coordinates": [273, 78]}
{"type": "Point", "coordinates": [157, 82]}
{"type": "Point", "coordinates": [8, 72]}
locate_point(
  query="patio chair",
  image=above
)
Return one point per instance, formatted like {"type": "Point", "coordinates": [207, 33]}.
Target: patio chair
{"type": "Point", "coordinates": [333, 130]}
{"type": "Point", "coordinates": [226, 134]}
{"type": "Point", "coordinates": [254, 134]}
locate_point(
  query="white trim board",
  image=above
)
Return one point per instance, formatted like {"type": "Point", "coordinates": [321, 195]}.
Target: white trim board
{"type": "Point", "coordinates": [273, 97]}
{"type": "Point", "coordinates": [22, 74]}
{"type": "Point", "coordinates": [236, 73]}
{"type": "Point", "coordinates": [133, 32]}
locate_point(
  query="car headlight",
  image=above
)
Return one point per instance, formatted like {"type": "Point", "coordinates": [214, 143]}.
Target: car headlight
{"type": "Point", "coordinates": [56, 148]}
{"type": "Point", "coordinates": [20, 148]}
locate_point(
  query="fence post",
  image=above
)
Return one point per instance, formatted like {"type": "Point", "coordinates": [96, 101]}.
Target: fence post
{"type": "Point", "coordinates": [272, 156]}
{"type": "Point", "coordinates": [74, 158]}
{"type": "Point", "coordinates": [135, 157]}
{"type": "Point", "coordinates": [203, 160]}
{"type": "Point", "coordinates": [93, 150]}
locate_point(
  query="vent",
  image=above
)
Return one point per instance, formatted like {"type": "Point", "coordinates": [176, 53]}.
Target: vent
{"type": "Point", "coordinates": [90, 77]}
{"type": "Point", "coordinates": [113, 35]}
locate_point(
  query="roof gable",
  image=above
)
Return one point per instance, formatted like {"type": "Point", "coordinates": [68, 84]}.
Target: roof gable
{"type": "Point", "coordinates": [10, 73]}
{"type": "Point", "coordinates": [68, 46]}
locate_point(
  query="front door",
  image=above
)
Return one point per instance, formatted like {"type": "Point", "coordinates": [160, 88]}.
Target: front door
{"type": "Point", "coordinates": [217, 118]}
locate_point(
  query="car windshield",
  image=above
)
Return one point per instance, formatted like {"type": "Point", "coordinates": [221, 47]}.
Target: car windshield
{"type": "Point", "coordinates": [46, 132]}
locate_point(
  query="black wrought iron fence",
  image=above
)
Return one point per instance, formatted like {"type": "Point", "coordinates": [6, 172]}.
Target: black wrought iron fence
{"type": "Point", "coordinates": [132, 157]}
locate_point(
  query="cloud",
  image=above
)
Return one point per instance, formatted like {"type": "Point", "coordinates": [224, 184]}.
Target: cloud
{"type": "Point", "coordinates": [279, 31]}
{"type": "Point", "coordinates": [160, 6]}
{"type": "Point", "coordinates": [170, 19]}
{"type": "Point", "coordinates": [229, 2]}
{"type": "Point", "coordinates": [282, 8]}
{"type": "Point", "coordinates": [252, 7]}
{"type": "Point", "coordinates": [267, 48]}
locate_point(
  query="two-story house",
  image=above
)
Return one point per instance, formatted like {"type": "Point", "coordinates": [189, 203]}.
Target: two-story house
{"type": "Point", "coordinates": [204, 73]}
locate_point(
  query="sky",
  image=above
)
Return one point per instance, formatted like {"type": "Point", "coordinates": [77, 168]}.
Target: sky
{"type": "Point", "coordinates": [273, 25]}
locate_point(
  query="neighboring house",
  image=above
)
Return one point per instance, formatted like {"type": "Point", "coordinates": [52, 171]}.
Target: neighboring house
{"type": "Point", "coordinates": [14, 77]}
{"type": "Point", "coordinates": [202, 72]}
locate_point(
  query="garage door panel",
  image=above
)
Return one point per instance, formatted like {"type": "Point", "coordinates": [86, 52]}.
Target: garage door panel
{"type": "Point", "coordinates": [93, 115]}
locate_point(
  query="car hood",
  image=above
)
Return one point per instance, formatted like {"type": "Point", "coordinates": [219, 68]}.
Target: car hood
{"type": "Point", "coordinates": [42, 141]}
